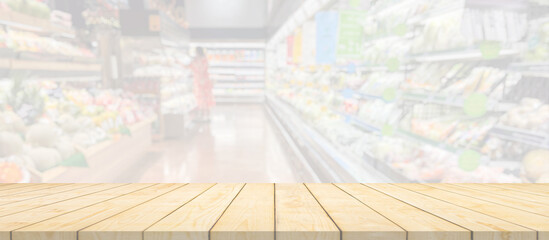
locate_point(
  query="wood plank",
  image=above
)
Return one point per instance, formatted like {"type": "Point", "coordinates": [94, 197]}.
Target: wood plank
{"type": "Point", "coordinates": [356, 221]}
{"type": "Point", "coordinates": [419, 224]}
{"type": "Point", "coordinates": [537, 188]}
{"type": "Point", "coordinates": [194, 220]}
{"type": "Point", "coordinates": [67, 225]}
{"type": "Point", "coordinates": [26, 205]}
{"type": "Point", "coordinates": [249, 217]}
{"type": "Point", "coordinates": [7, 185]}
{"type": "Point", "coordinates": [507, 192]}
{"type": "Point", "coordinates": [39, 193]}
{"type": "Point", "coordinates": [29, 187]}
{"type": "Point", "coordinates": [131, 224]}
{"type": "Point", "coordinates": [491, 196]}
{"type": "Point", "coordinates": [483, 227]}
{"type": "Point", "coordinates": [22, 219]}
{"type": "Point", "coordinates": [300, 217]}
{"type": "Point", "coordinates": [526, 219]}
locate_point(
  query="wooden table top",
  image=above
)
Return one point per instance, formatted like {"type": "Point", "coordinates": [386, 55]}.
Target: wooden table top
{"type": "Point", "coordinates": [268, 211]}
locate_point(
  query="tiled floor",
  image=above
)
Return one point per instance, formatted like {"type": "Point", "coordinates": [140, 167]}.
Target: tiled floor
{"type": "Point", "coordinates": [241, 144]}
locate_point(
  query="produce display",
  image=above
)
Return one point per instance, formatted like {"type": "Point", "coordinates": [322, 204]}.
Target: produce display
{"type": "Point", "coordinates": [33, 8]}
{"type": "Point", "coordinates": [28, 42]}
{"type": "Point", "coordinates": [443, 91]}
{"type": "Point", "coordinates": [44, 124]}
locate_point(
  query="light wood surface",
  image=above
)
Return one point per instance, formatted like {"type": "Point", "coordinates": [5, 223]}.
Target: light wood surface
{"type": "Point", "coordinates": [420, 225]}
{"type": "Point", "coordinates": [300, 216]}
{"type": "Point", "coordinates": [273, 211]}
{"type": "Point", "coordinates": [525, 196]}
{"type": "Point", "coordinates": [505, 197]}
{"type": "Point", "coordinates": [249, 217]}
{"type": "Point", "coordinates": [131, 224]}
{"type": "Point", "coordinates": [195, 220]}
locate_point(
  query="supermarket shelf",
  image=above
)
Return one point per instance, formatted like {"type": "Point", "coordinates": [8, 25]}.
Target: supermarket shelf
{"type": "Point", "coordinates": [418, 138]}
{"type": "Point", "coordinates": [535, 74]}
{"type": "Point", "coordinates": [229, 45]}
{"type": "Point", "coordinates": [536, 139]}
{"type": "Point", "coordinates": [235, 80]}
{"type": "Point", "coordinates": [238, 94]}
{"type": "Point", "coordinates": [330, 163]}
{"type": "Point", "coordinates": [101, 151]}
{"type": "Point", "coordinates": [240, 85]}
{"type": "Point", "coordinates": [23, 21]}
{"type": "Point", "coordinates": [435, 13]}
{"type": "Point", "coordinates": [453, 101]}
{"type": "Point", "coordinates": [470, 54]}
{"type": "Point", "coordinates": [240, 99]}
{"type": "Point", "coordinates": [357, 122]}
{"type": "Point", "coordinates": [237, 64]}
{"type": "Point", "coordinates": [238, 72]}
{"type": "Point", "coordinates": [15, 64]}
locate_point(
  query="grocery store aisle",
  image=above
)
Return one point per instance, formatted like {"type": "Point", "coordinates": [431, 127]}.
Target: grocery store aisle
{"type": "Point", "coordinates": [241, 144]}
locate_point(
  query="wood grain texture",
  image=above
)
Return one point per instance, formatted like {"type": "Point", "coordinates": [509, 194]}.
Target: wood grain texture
{"type": "Point", "coordinates": [300, 217]}
{"type": "Point", "coordinates": [42, 192]}
{"type": "Point", "coordinates": [526, 219]}
{"type": "Point", "coordinates": [22, 219]}
{"type": "Point", "coordinates": [521, 196]}
{"type": "Point", "coordinates": [493, 196]}
{"type": "Point", "coordinates": [484, 227]}
{"type": "Point", "coordinates": [274, 211]}
{"type": "Point", "coordinates": [356, 221]}
{"type": "Point", "coordinates": [249, 217]}
{"type": "Point", "coordinates": [29, 204]}
{"type": "Point", "coordinates": [129, 225]}
{"type": "Point", "coordinates": [67, 225]}
{"type": "Point", "coordinates": [29, 187]}
{"type": "Point", "coordinates": [420, 225]}
{"type": "Point", "coordinates": [537, 189]}
{"type": "Point", "coordinates": [194, 220]}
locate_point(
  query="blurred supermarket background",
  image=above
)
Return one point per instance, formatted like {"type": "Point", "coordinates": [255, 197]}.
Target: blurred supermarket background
{"type": "Point", "coordinates": [287, 91]}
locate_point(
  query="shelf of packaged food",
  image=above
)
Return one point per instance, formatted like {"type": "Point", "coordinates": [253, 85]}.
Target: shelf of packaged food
{"type": "Point", "coordinates": [238, 94]}
{"type": "Point", "coordinates": [357, 122]}
{"type": "Point", "coordinates": [244, 85]}
{"type": "Point", "coordinates": [532, 69]}
{"type": "Point", "coordinates": [533, 138]}
{"type": "Point", "coordinates": [27, 22]}
{"type": "Point", "coordinates": [418, 138]}
{"type": "Point", "coordinates": [437, 12]}
{"type": "Point", "coordinates": [240, 99]}
{"type": "Point", "coordinates": [237, 72]}
{"type": "Point", "coordinates": [97, 155]}
{"type": "Point", "coordinates": [237, 64]}
{"type": "Point", "coordinates": [453, 101]}
{"type": "Point", "coordinates": [360, 95]}
{"type": "Point", "coordinates": [15, 64]}
{"type": "Point", "coordinates": [338, 166]}
{"type": "Point", "coordinates": [461, 55]}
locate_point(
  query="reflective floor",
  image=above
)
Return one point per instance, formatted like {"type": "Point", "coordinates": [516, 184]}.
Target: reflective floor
{"type": "Point", "coordinates": [240, 144]}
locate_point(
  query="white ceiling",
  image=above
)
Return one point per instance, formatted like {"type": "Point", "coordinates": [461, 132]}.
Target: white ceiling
{"type": "Point", "coordinates": [227, 13]}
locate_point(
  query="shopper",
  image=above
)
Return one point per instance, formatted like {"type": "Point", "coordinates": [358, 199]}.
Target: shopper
{"type": "Point", "coordinates": [202, 85]}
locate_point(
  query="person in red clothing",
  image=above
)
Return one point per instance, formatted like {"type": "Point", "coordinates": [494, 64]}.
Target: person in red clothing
{"type": "Point", "coordinates": [202, 85]}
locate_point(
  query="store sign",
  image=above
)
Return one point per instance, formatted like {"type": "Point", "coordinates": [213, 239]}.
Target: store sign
{"type": "Point", "coordinates": [309, 43]}
{"type": "Point", "coordinates": [349, 44]}
{"type": "Point", "coordinates": [290, 49]}
{"type": "Point", "coordinates": [298, 46]}
{"type": "Point", "coordinates": [326, 37]}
